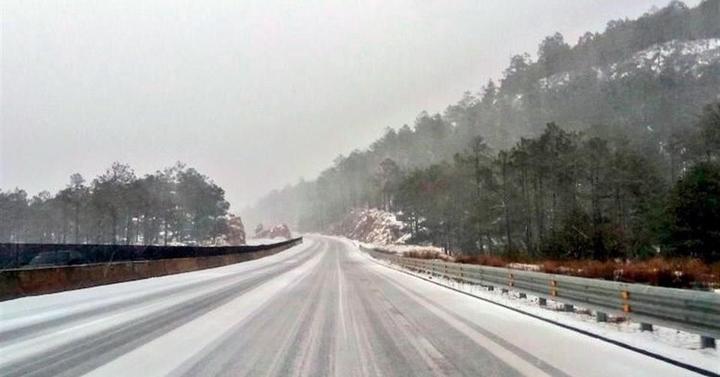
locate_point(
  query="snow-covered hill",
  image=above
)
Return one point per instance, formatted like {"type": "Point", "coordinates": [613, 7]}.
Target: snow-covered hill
{"type": "Point", "coordinates": [680, 57]}
{"type": "Point", "coordinates": [692, 59]}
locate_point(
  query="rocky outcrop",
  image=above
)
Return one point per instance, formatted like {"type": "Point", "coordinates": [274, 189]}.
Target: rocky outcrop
{"type": "Point", "coordinates": [276, 231]}
{"type": "Point", "coordinates": [372, 226]}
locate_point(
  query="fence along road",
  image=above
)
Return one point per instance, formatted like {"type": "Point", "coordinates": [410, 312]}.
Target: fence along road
{"type": "Point", "coordinates": [107, 264]}
{"type": "Point", "coordinates": [321, 308]}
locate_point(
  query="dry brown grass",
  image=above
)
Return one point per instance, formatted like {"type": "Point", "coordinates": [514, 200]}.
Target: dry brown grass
{"type": "Point", "coordinates": [485, 260]}
{"type": "Point", "coordinates": [582, 268]}
{"type": "Point", "coordinates": [670, 272]}
{"type": "Point", "coordinates": [679, 272]}
{"type": "Point", "coordinates": [423, 254]}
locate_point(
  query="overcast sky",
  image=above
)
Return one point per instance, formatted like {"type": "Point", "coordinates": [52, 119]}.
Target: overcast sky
{"type": "Point", "coordinates": [255, 94]}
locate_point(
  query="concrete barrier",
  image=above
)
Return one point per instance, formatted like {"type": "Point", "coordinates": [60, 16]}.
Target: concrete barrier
{"type": "Point", "coordinates": [22, 282]}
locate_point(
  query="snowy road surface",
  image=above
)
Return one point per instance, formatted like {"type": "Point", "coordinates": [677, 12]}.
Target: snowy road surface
{"type": "Point", "coordinates": [321, 308]}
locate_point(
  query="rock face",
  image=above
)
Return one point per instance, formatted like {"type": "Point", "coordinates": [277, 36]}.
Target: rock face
{"type": "Point", "coordinates": [372, 226]}
{"type": "Point", "coordinates": [235, 234]}
{"type": "Point", "coordinates": [277, 231]}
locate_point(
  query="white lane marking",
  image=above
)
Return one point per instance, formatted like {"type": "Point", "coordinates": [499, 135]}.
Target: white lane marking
{"type": "Point", "coordinates": [164, 354]}
{"type": "Point", "coordinates": [341, 302]}
{"type": "Point", "coordinates": [368, 363]}
{"type": "Point", "coordinates": [295, 331]}
{"type": "Point", "coordinates": [303, 364]}
{"type": "Point", "coordinates": [432, 357]}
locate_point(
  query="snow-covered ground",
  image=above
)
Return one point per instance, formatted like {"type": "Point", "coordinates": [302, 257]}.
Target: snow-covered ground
{"type": "Point", "coordinates": [321, 308]}
{"type": "Point", "coordinates": [27, 311]}
{"type": "Point", "coordinates": [674, 344]}
{"type": "Point", "coordinates": [263, 241]}
{"type": "Point", "coordinates": [402, 249]}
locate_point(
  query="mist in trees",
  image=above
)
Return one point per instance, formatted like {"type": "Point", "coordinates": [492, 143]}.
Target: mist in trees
{"type": "Point", "coordinates": [177, 205]}
{"type": "Point", "coordinates": [574, 155]}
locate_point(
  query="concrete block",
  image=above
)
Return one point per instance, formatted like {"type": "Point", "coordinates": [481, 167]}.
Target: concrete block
{"type": "Point", "coordinates": [707, 342]}
{"type": "Point", "coordinates": [601, 317]}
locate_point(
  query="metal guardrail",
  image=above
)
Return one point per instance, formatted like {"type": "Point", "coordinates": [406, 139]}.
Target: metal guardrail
{"type": "Point", "coordinates": [688, 310]}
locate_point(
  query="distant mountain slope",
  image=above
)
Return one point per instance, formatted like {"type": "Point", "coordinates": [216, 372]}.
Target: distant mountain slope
{"type": "Point", "coordinates": [645, 80]}
{"type": "Point", "coordinates": [682, 57]}
{"type": "Point", "coordinates": [694, 58]}
{"type": "Point", "coordinates": [660, 88]}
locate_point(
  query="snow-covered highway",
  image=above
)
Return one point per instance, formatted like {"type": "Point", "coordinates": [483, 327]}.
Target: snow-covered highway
{"type": "Point", "coordinates": [321, 308]}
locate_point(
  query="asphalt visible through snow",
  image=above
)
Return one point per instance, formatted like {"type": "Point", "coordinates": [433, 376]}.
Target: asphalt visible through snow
{"type": "Point", "coordinates": [319, 309]}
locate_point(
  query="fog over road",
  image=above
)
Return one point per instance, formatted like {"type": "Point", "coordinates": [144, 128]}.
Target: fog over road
{"type": "Point", "coordinates": [321, 308]}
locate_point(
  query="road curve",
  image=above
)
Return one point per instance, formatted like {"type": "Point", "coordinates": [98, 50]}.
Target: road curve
{"type": "Point", "coordinates": [319, 309]}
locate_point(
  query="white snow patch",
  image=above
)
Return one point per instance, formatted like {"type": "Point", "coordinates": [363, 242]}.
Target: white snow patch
{"type": "Point", "coordinates": [682, 57]}
{"type": "Point", "coordinates": [401, 249]}
{"type": "Point", "coordinates": [687, 57]}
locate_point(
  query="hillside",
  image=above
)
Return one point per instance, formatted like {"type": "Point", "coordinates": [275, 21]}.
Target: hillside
{"type": "Point", "coordinates": [640, 86]}
{"type": "Point", "coordinates": [371, 226]}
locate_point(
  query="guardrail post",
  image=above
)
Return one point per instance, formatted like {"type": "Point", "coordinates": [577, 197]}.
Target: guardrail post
{"type": "Point", "coordinates": [625, 295]}
{"type": "Point", "coordinates": [646, 326]}
{"type": "Point", "coordinates": [542, 301]}
{"type": "Point", "coordinates": [491, 288]}
{"type": "Point", "coordinates": [601, 316]}
{"type": "Point", "coordinates": [707, 342]}
{"type": "Point", "coordinates": [568, 307]}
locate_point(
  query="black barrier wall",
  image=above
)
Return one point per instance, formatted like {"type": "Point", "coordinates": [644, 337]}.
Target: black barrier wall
{"type": "Point", "coordinates": [28, 255]}
{"type": "Point", "coordinates": [34, 280]}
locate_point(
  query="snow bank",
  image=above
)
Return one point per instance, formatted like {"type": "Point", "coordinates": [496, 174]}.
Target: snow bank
{"type": "Point", "coordinates": [405, 249]}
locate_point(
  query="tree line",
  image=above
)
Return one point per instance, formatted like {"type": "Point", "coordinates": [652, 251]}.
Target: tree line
{"type": "Point", "coordinates": [571, 195]}
{"type": "Point", "coordinates": [561, 195]}
{"type": "Point", "coordinates": [574, 154]}
{"type": "Point", "coordinates": [175, 205]}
